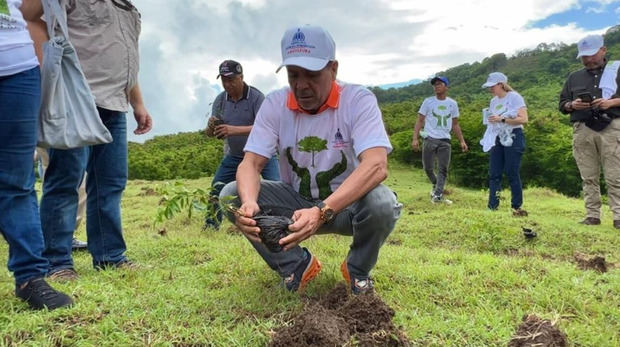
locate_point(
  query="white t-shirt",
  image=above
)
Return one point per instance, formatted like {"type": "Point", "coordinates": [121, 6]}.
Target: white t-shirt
{"type": "Point", "coordinates": [508, 106]}
{"type": "Point", "coordinates": [438, 116]}
{"type": "Point", "coordinates": [16, 48]}
{"type": "Point", "coordinates": [324, 147]}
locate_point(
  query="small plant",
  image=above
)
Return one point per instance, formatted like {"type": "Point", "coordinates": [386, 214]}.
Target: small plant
{"type": "Point", "coordinates": [176, 198]}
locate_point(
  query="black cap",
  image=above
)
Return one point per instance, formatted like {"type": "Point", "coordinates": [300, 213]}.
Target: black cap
{"type": "Point", "coordinates": [230, 68]}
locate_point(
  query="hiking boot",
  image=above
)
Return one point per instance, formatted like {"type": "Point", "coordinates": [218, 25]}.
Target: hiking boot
{"type": "Point", "coordinates": [78, 245]}
{"type": "Point", "coordinates": [592, 221]}
{"type": "Point", "coordinates": [39, 295]}
{"type": "Point", "coordinates": [63, 275]}
{"type": "Point", "coordinates": [305, 272]}
{"type": "Point", "coordinates": [519, 212]}
{"type": "Point", "coordinates": [359, 285]}
{"type": "Point", "coordinates": [617, 223]}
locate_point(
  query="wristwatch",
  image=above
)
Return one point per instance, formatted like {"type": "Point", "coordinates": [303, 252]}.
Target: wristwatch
{"type": "Point", "coordinates": [327, 213]}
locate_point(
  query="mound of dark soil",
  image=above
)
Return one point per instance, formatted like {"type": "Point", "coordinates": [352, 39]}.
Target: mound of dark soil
{"type": "Point", "coordinates": [596, 263]}
{"type": "Point", "coordinates": [339, 318]}
{"type": "Point", "coordinates": [538, 332]}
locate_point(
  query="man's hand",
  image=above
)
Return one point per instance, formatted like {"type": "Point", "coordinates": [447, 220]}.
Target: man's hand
{"type": "Point", "coordinates": [143, 118]}
{"type": "Point", "coordinates": [464, 147]}
{"type": "Point", "coordinates": [415, 144]}
{"type": "Point", "coordinates": [605, 104]}
{"type": "Point", "coordinates": [223, 131]}
{"type": "Point", "coordinates": [577, 104]}
{"type": "Point", "coordinates": [307, 222]}
{"type": "Point", "coordinates": [244, 220]}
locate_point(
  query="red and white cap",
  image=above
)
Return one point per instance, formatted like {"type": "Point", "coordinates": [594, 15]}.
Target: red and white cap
{"type": "Point", "coordinates": [310, 47]}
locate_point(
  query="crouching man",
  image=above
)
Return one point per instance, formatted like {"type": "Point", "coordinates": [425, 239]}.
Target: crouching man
{"type": "Point", "coordinates": [333, 151]}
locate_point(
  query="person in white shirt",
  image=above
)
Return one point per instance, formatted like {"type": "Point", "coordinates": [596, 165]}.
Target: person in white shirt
{"type": "Point", "coordinates": [438, 115]}
{"type": "Point", "coordinates": [333, 157]}
{"type": "Point", "coordinates": [508, 114]}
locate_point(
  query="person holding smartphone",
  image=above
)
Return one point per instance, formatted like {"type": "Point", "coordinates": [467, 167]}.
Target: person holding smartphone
{"type": "Point", "coordinates": [590, 97]}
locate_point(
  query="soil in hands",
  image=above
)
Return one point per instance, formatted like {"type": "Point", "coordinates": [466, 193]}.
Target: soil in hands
{"type": "Point", "coordinates": [538, 332]}
{"type": "Point", "coordinates": [338, 318]}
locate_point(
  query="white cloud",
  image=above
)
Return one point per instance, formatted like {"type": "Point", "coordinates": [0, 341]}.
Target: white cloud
{"type": "Point", "coordinates": [378, 42]}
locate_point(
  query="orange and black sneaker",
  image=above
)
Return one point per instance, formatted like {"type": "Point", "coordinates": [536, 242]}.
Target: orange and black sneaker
{"type": "Point", "coordinates": [358, 285]}
{"type": "Point", "coordinates": [305, 273]}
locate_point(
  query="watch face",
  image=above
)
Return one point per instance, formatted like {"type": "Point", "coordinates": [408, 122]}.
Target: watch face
{"type": "Point", "coordinates": [328, 214]}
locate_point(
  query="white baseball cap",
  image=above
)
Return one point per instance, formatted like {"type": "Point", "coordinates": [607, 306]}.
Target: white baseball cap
{"type": "Point", "coordinates": [495, 78]}
{"type": "Point", "coordinates": [309, 46]}
{"type": "Point", "coordinates": [589, 45]}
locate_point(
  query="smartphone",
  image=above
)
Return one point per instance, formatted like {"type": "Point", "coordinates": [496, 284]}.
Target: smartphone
{"type": "Point", "coordinates": [585, 97]}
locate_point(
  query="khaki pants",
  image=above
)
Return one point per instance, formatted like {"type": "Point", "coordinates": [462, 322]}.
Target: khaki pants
{"type": "Point", "coordinates": [592, 150]}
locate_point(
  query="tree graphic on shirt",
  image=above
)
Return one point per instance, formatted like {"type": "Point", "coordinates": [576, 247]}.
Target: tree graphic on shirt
{"type": "Point", "coordinates": [302, 172]}
{"type": "Point", "coordinates": [442, 121]}
{"type": "Point", "coordinates": [312, 144]}
{"type": "Point", "coordinates": [323, 178]}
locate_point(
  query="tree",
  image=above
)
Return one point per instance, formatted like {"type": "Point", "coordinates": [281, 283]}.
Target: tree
{"type": "Point", "coordinates": [312, 144]}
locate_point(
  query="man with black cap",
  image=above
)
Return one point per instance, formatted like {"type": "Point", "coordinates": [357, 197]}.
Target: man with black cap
{"type": "Point", "coordinates": [232, 116]}
{"type": "Point", "coordinates": [333, 149]}
{"type": "Point", "coordinates": [590, 96]}
{"type": "Point", "coordinates": [439, 115]}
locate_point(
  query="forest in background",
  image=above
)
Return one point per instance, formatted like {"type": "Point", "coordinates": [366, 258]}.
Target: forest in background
{"type": "Point", "coordinates": [537, 74]}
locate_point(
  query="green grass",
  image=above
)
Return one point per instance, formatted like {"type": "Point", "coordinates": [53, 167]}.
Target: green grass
{"type": "Point", "coordinates": [4, 7]}
{"type": "Point", "coordinates": [456, 275]}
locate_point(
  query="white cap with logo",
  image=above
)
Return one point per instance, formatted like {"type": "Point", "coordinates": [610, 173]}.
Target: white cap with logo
{"type": "Point", "coordinates": [495, 78]}
{"type": "Point", "coordinates": [589, 45]}
{"type": "Point", "coordinates": [309, 47]}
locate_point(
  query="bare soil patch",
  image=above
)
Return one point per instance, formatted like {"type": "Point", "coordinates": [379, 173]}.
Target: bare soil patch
{"type": "Point", "coordinates": [339, 318]}
{"type": "Point", "coordinates": [538, 332]}
{"type": "Point", "coordinates": [596, 263]}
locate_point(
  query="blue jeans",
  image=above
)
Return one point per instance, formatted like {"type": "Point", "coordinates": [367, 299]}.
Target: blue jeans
{"type": "Point", "coordinates": [106, 166]}
{"type": "Point", "coordinates": [506, 160]}
{"type": "Point", "coordinates": [20, 98]}
{"type": "Point", "coordinates": [225, 174]}
{"type": "Point", "coordinates": [369, 220]}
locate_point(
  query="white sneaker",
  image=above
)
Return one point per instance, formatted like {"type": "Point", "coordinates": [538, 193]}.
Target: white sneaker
{"type": "Point", "coordinates": [439, 199]}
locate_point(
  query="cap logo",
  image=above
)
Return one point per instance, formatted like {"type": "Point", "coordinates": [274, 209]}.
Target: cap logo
{"type": "Point", "coordinates": [238, 68]}
{"type": "Point", "coordinates": [298, 44]}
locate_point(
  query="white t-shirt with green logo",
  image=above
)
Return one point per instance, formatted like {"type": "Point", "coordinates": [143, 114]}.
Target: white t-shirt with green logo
{"type": "Point", "coordinates": [438, 116]}
{"type": "Point", "coordinates": [508, 106]}
{"type": "Point", "coordinates": [16, 48]}
{"type": "Point", "coordinates": [318, 152]}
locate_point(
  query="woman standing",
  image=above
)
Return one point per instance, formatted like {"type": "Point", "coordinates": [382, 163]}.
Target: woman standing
{"type": "Point", "coordinates": [20, 97]}
{"type": "Point", "coordinates": [505, 141]}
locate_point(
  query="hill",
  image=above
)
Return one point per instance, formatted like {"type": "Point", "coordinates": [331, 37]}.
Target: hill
{"type": "Point", "coordinates": [455, 275]}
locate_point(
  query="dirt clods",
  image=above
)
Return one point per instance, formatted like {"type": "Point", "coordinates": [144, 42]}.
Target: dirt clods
{"type": "Point", "coordinates": [538, 332]}
{"type": "Point", "coordinates": [339, 318]}
{"type": "Point", "coordinates": [596, 263]}
{"type": "Point", "coordinates": [147, 191]}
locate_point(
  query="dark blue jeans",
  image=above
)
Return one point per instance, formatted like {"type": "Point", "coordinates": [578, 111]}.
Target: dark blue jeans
{"type": "Point", "coordinates": [106, 166]}
{"type": "Point", "coordinates": [506, 160]}
{"type": "Point", "coordinates": [225, 174]}
{"type": "Point", "coordinates": [20, 98]}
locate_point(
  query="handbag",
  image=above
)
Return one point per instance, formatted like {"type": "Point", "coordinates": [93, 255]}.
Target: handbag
{"type": "Point", "coordinates": [69, 116]}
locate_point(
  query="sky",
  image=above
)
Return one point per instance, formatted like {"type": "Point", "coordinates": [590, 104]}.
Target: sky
{"type": "Point", "coordinates": [377, 42]}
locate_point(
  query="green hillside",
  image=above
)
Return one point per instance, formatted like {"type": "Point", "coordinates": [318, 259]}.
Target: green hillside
{"type": "Point", "coordinates": [456, 275]}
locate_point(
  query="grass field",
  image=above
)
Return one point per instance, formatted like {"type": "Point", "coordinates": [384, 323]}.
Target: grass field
{"type": "Point", "coordinates": [456, 275]}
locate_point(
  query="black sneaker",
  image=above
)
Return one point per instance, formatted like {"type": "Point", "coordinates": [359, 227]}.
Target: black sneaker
{"type": "Point", "coordinates": [305, 273]}
{"type": "Point", "coordinates": [39, 295]}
